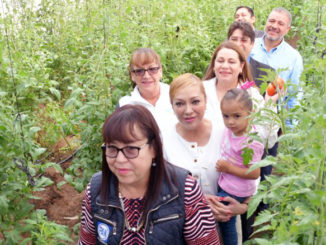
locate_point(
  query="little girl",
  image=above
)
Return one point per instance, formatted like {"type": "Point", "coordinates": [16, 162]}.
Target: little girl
{"type": "Point", "coordinates": [234, 180]}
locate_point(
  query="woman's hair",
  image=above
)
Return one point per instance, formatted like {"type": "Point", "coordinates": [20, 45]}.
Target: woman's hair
{"type": "Point", "coordinates": [120, 126]}
{"type": "Point", "coordinates": [183, 81]}
{"type": "Point", "coordinates": [244, 75]}
{"type": "Point", "coordinates": [239, 95]}
{"type": "Point", "coordinates": [244, 27]}
{"type": "Point", "coordinates": [143, 56]}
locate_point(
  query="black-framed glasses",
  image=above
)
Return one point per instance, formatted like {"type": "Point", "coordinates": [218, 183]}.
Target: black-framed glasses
{"type": "Point", "coordinates": [129, 152]}
{"type": "Point", "coordinates": [141, 72]}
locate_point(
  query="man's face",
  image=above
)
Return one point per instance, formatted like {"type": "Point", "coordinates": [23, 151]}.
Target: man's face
{"type": "Point", "coordinates": [277, 26]}
{"type": "Point", "coordinates": [242, 41]}
{"type": "Point", "coordinates": [243, 14]}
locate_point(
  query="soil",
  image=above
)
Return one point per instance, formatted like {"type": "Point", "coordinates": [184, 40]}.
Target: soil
{"type": "Point", "coordinates": [63, 204]}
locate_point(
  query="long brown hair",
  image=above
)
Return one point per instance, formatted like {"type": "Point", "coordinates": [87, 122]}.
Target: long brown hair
{"type": "Point", "coordinates": [244, 75]}
{"type": "Point", "coordinates": [119, 126]}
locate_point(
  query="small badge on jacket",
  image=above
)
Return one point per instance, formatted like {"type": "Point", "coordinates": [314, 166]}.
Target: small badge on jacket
{"type": "Point", "coordinates": [103, 231]}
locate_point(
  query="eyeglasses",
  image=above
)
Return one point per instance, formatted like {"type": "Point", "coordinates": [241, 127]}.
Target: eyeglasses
{"type": "Point", "coordinates": [129, 152]}
{"type": "Point", "coordinates": [141, 72]}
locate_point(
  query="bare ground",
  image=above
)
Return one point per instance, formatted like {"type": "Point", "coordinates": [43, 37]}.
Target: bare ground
{"type": "Point", "coordinates": [63, 204]}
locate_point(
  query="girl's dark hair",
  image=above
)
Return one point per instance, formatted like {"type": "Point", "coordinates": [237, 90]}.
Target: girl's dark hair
{"type": "Point", "coordinates": [120, 126]}
{"type": "Point", "coordinates": [244, 75]}
{"type": "Point", "coordinates": [239, 95]}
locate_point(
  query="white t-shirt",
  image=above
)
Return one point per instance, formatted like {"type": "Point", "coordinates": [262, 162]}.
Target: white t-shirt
{"type": "Point", "coordinates": [162, 111]}
{"type": "Point", "coordinates": [199, 160]}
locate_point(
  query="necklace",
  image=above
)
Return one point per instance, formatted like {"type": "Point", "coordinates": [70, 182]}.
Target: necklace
{"type": "Point", "coordinates": [128, 226]}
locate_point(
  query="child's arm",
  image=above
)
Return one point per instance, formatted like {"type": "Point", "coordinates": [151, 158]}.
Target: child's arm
{"type": "Point", "coordinates": [226, 167]}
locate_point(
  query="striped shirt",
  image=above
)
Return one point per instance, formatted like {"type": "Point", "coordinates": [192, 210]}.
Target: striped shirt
{"type": "Point", "coordinates": [199, 227]}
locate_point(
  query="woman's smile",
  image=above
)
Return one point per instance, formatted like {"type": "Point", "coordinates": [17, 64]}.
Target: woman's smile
{"type": "Point", "coordinates": [190, 119]}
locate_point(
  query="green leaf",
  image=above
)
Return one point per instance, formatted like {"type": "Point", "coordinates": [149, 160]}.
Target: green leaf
{"type": "Point", "coordinates": [56, 93]}
{"type": "Point", "coordinates": [37, 152]}
{"type": "Point", "coordinates": [264, 217]}
{"type": "Point", "coordinates": [247, 154]}
{"type": "Point", "coordinates": [70, 102]}
{"type": "Point", "coordinates": [43, 182]}
{"type": "Point", "coordinates": [34, 130]}
{"type": "Point", "coordinates": [254, 202]}
{"type": "Point", "coordinates": [61, 183]}
{"type": "Point", "coordinates": [3, 202]}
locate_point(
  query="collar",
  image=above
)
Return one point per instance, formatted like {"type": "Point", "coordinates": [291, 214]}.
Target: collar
{"type": "Point", "coordinates": [262, 44]}
{"type": "Point", "coordinates": [136, 96]}
{"type": "Point", "coordinates": [167, 192]}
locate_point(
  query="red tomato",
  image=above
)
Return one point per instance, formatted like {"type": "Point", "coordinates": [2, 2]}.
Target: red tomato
{"type": "Point", "coordinates": [279, 81]}
{"type": "Point", "coordinates": [271, 90]}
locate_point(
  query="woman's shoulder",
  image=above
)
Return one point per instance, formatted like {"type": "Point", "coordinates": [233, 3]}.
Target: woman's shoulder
{"type": "Point", "coordinates": [209, 83]}
{"type": "Point", "coordinates": [130, 98]}
{"type": "Point", "coordinates": [178, 171]}
{"type": "Point", "coordinates": [164, 86]}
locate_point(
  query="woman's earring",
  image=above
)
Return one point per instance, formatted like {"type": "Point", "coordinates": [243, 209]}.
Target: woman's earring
{"type": "Point", "coordinates": [153, 164]}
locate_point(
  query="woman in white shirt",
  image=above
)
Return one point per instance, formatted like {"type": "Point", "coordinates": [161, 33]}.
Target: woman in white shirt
{"type": "Point", "coordinates": [145, 72]}
{"type": "Point", "coordinates": [229, 69]}
{"type": "Point", "coordinates": [194, 141]}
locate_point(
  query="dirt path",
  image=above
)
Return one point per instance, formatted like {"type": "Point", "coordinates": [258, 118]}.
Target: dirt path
{"type": "Point", "coordinates": [63, 204]}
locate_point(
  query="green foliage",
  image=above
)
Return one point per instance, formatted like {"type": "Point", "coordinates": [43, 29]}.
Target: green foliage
{"type": "Point", "coordinates": [43, 231]}
{"type": "Point", "coordinates": [296, 194]}
{"type": "Point", "coordinates": [63, 68]}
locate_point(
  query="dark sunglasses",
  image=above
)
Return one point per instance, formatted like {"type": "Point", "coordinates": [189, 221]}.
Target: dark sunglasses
{"type": "Point", "coordinates": [141, 72]}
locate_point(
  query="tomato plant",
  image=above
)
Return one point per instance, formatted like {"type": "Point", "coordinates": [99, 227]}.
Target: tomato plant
{"type": "Point", "coordinates": [71, 57]}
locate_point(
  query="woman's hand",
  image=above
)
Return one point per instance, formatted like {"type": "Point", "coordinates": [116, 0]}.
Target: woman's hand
{"type": "Point", "coordinates": [222, 166]}
{"type": "Point", "coordinates": [224, 212]}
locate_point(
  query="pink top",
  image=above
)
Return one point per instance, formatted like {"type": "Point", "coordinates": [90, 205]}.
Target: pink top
{"type": "Point", "coordinates": [231, 150]}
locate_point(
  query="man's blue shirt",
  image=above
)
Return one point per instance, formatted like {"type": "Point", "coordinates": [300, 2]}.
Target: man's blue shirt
{"type": "Point", "coordinates": [282, 56]}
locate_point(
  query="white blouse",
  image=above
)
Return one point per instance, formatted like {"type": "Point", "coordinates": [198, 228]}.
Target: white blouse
{"type": "Point", "coordinates": [199, 160]}
{"type": "Point", "coordinates": [162, 111]}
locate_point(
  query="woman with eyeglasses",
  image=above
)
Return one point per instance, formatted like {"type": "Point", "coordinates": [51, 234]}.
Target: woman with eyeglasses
{"type": "Point", "coordinates": [145, 71]}
{"type": "Point", "coordinates": [138, 198]}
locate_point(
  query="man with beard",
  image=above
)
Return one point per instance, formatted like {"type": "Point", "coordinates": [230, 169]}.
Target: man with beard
{"type": "Point", "coordinates": [272, 50]}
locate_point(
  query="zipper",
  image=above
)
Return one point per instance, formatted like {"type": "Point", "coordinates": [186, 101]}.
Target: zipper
{"type": "Point", "coordinates": [114, 224]}
{"type": "Point", "coordinates": [171, 217]}
{"type": "Point", "coordinates": [154, 209]}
